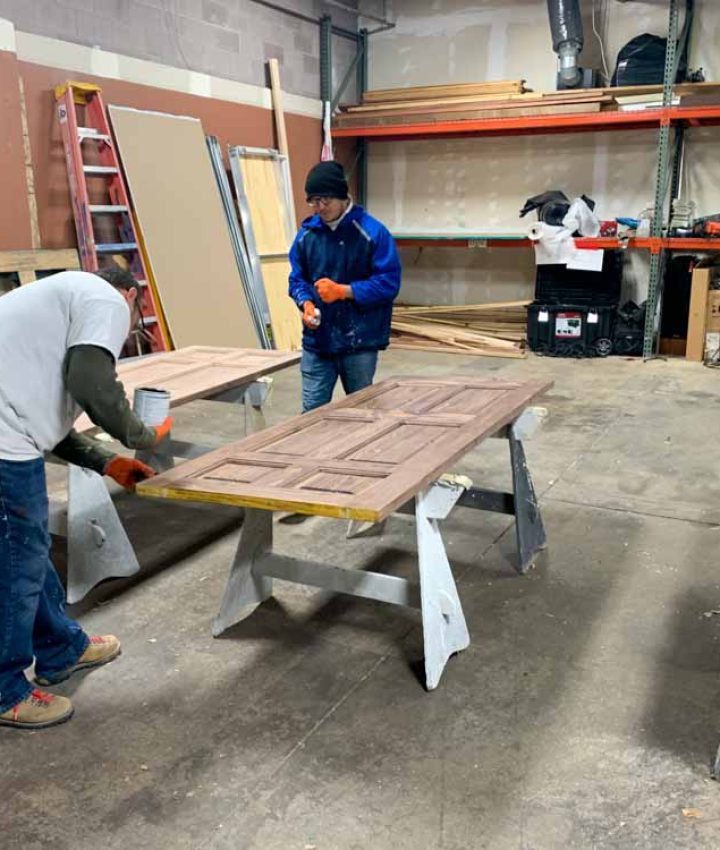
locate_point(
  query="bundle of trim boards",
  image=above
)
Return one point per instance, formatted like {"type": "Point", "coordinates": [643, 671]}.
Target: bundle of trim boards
{"type": "Point", "coordinates": [505, 99]}
{"type": "Point", "coordinates": [493, 330]}
{"type": "Point", "coordinates": [221, 281]}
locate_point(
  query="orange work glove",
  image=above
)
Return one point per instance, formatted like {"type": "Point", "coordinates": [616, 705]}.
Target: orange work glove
{"type": "Point", "coordinates": [330, 291]}
{"type": "Point", "coordinates": [127, 471]}
{"type": "Point", "coordinates": [310, 320]}
{"type": "Point", "coordinates": [162, 430]}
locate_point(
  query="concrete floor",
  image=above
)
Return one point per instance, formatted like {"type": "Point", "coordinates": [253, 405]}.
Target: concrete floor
{"type": "Point", "coordinates": [584, 715]}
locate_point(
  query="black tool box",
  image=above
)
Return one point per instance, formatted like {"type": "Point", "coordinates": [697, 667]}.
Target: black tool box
{"type": "Point", "coordinates": [557, 284]}
{"type": "Point", "coordinates": [571, 330]}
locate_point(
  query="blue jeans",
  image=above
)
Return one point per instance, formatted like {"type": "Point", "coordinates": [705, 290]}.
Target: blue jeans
{"type": "Point", "coordinates": [32, 599]}
{"type": "Point", "coordinates": [319, 375]}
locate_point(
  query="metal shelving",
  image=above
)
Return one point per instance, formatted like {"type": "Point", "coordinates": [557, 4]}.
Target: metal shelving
{"type": "Point", "coordinates": [648, 119]}
{"type": "Point", "coordinates": [662, 120]}
{"type": "Point", "coordinates": [520, 240]}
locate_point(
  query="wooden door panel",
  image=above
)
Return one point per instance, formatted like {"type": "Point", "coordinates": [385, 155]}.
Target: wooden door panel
{"type": "Point", "coordinates": [197, 372]}
{"type": "Point", "coordinates": [470, 401]}
{"type": "Point", "coordinates": [248, 473]}
{"type": "Point", "coordinates": [400, 444]}
{"type": "Point", "coordinates": [323, 439]}
{"type": "Point", "coordinates": [334, 482]}
{"type": "Point", "coordinates": [361, 457]}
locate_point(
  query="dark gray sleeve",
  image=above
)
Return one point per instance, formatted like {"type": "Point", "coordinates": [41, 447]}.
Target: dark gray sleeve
{"type": "Point", "coordinates": [83, 451]}
{"type": "Point", "coordinates": [91, 379]}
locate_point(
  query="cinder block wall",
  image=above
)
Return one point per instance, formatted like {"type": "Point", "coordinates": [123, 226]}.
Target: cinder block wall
{"type": "Point", "coordinates": [225, 38]}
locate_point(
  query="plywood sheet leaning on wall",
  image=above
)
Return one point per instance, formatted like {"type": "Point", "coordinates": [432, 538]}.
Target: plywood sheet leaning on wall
{"type": "Point", "coordinates": [177, 203]}
{"type": "Point", "coordinates": [263, 190]}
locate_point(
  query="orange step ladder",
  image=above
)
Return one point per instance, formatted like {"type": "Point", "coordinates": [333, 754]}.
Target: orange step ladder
{"type": "Point", "coordinates": [104, 222]}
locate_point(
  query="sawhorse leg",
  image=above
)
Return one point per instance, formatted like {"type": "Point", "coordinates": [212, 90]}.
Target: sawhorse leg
{"type": "Point", "coordinates": [529, 528]}
{"type": "Point", "coordinates": [521, 503]}
{"type": "Point", "coordinates": [98, 546]}
{"type": "Point", "coordinates": [444, 628]}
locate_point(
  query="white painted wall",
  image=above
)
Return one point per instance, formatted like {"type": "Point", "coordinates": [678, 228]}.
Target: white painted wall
{"type": "Point", "coordinates": [480, 184]}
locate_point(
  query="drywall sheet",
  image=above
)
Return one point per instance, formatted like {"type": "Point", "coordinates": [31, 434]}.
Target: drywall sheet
{"type": "Point", "coordinates": [177, 202]}
{"type": "Point", "coordinates": [267, 205]}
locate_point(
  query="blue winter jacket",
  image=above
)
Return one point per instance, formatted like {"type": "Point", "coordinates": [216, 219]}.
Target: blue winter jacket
{"type": "Point", "coordinates": [360, 252]}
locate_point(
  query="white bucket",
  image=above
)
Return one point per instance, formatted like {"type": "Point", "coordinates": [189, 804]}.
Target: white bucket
{"type": "Point", "coordinates": [151, 405]}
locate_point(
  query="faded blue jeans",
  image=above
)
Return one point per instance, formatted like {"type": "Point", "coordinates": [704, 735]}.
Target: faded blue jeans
{"type": "Point", "coordinates": [33, 623]}
{"type": "Point", "coordinates": [319, 375]}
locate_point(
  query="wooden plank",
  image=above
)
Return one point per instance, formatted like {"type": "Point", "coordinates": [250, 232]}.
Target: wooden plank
{"type": "Point", "coordinates": [39, 261]}
{"type": "Point", "coordinates": [486, 102]}
{"type": "Point", "coordinates": [483, 329]}
{"type": "Point", "coordinates": [29, 172]}
{"type": "Point", "coordinates": [197, 372]}
{"type": "Point", "coordinates": [281, 130]}
{"type": "Point", "coordinates": [409, 343]}
{"type": "Point", "coordinates": [453, 308]}
{"type": "Point", "coordinates": [697, 319]}
{"type": "Point", "coordinates": [178, 205]}
{"type": "Point", "coordinates": [267, 203]}
{"type": "Point", "coordinates": [456, 89]}
{"type": "Point", "coordinates": [358, 458]}
{"type": "Point", "coordinates": [370, 120]}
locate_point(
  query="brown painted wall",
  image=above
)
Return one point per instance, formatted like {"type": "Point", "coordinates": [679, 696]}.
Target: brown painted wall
{"type": "Point", "coordinates": [231, 123]}
{"type": "Point", "coordinates": [14, 210]}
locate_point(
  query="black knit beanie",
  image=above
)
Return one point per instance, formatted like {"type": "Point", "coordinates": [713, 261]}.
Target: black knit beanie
{"type": "Point", "coordinates": [326, 179]}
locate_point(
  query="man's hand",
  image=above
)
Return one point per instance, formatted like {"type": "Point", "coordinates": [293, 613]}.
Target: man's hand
{"type": "Point", "coordinates": [127, 471]}
{"type": "Point", "coordinates": [310, 320]}
{"type": "Point", "coordinates": [330, 291]}
{"type": "Point", "coordinates": [162, 430]}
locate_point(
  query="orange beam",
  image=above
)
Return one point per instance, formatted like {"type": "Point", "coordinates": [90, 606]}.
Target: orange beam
{"type": "Point", "coordinates": [650, 243]}
{"type": "Point", "coordinates": [628, 120]}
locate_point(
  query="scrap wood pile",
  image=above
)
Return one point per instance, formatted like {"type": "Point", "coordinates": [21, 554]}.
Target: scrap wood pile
{"type": "Point", "coordinates": [507, 99]}
{"type": "Point", "coordinates": [493, 330]}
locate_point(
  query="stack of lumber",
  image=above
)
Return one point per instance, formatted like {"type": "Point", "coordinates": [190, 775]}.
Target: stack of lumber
{"type": "Point", "coordinates": [430, 104]}
{"type": "Point", "coordinates": [505, 99]}
{"type": "Point", "coordinates": [493, 330]}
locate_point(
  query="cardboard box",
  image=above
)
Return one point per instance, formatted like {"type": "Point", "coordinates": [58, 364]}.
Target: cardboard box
{"type": "Point", "coordinates": [700, 311]}
{"type": "Point", "coordinates": [712, 316]}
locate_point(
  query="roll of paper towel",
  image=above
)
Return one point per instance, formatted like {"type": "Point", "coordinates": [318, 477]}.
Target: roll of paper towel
{"type": "Point", "coordinates": [539, 230]}
{"type": "Point", "coordinates": [553, 244]}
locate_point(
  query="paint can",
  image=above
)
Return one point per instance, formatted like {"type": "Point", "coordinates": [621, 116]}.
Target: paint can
{"type": "Point", "coordinates": [152, 405]}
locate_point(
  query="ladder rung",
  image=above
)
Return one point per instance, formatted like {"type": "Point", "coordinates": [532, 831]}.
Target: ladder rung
{"type": "Point", "coordinates": [116, 247]}
{"type": "Point", "coordinates": [92, 133]}
{"type": "Point", "coordinates": [99, 169]}
{"type": "Point", "coordinates": [107, 208]}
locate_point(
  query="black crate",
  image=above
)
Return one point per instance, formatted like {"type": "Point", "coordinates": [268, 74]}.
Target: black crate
{"type": "Point", "coordinates": [557, 284]}
{"type": "Point", "coordinates": [571, 330]}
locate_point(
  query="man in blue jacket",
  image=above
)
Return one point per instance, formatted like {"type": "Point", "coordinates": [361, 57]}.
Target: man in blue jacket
{"type": "Point", "coordinates": [345, 276]}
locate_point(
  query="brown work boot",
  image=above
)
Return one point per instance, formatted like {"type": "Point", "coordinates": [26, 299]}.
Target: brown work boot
{"type": "Point", "coordinates": [38, 711]}
{"type": "Point", "coordinates": [100, 650]}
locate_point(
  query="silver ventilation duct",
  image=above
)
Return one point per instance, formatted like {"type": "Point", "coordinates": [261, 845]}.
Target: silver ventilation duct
{"type": "Point", "coordinates": [567, 35]}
